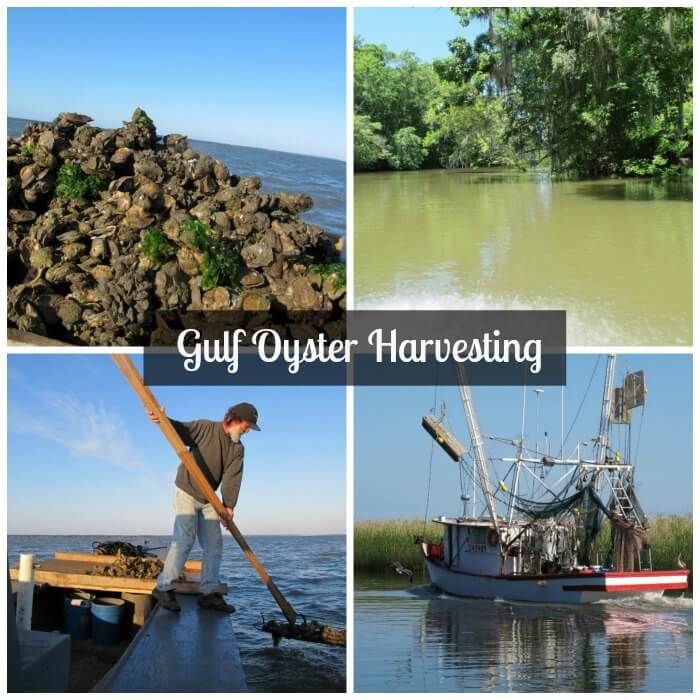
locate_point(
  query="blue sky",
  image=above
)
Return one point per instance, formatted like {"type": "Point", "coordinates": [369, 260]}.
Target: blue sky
{"type": "Point", "coordinates": [266, 77]}
{"type": "Point", "coordinates": [84, 459]}
{"type": "Point", "coordinates": [423, 30]}
{"type": "Point", "coordinates": [392, 450]}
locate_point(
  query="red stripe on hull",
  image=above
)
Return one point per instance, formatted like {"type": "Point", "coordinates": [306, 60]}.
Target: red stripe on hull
{"type": "Point", "coordinates": [663, 572]}
{"type": "Point", "coordinates": [632, 587]}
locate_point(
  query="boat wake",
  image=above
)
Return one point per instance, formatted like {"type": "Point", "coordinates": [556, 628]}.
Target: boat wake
{"type": "Point", "coordinates": [610, 327]}
{"type": "Point", "coordinates": [650, 602]}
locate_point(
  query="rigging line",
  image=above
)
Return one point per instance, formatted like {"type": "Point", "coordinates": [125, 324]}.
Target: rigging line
{"type": "Point", "coordinates": [561, 415]}
{"type": "Point", "coordinates": [639, 438]}
{"type": "Point", "coordinates": [525, 502]}
{"type": "Point", "coordinates": [583, 400]}
{"type": "Point", "coordinates": [437, 367]}
{"type": "Point", "coordinates": [430, 478]}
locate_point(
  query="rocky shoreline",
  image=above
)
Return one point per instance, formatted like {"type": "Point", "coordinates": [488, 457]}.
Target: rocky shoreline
{"type": "Point", "coordinates": [121, 237]}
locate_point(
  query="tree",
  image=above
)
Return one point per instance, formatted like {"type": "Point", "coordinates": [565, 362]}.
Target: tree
{"type": "Point", "coordinates": [369, 144]}
{"type": "Point", "coordinates": [392, 92]}
{"type": "Point", "coordinates": [597, 88]}
{"type": "Point", "coordinates": [406, 152]}
{"type": "Point", "coordinates": [587, 92]}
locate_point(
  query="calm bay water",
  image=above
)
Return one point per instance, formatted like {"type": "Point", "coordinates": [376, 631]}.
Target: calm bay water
{"type": "Point", "coordinates": [615, 254]}
{"type": "Point", "coordinates": [417, 639]}
{"type": "Point", "coordinates": [310, 572]}
{"type": "Point", "coordinates": [321, 178]}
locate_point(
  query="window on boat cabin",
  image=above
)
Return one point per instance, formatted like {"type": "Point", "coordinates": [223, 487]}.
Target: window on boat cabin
{"type": "Point", "coordinates": [476, 535]}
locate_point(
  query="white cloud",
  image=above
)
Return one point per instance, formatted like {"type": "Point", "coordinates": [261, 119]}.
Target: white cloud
{"type": "Point", "coordinates": [84, 428]}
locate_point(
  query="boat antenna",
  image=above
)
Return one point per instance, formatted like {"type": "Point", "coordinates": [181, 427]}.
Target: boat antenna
{"type": "Point", "coordinates": [538, 393]}
{"type": "Point", "coordinates": [561, 419]}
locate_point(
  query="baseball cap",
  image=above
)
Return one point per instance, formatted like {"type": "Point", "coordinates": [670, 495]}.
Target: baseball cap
{"type": "Point", "coordinates": [247, 412]}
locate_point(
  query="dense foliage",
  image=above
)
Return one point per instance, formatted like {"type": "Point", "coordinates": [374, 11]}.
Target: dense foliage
{"type": "Point", "coordinates": [581, 91]}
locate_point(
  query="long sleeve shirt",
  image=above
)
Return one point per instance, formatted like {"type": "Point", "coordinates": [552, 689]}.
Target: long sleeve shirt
{"type": "Point", "coordinates": [219, 458]}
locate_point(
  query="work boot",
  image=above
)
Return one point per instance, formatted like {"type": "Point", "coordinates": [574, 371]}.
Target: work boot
{"type": "Point", "coordinates": [167, 599]}
{"type": "Point", "coordinates": [215, 601]}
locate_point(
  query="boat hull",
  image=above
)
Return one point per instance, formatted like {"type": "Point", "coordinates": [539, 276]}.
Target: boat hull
{"type": "Point", "coordinates": [556, 588]}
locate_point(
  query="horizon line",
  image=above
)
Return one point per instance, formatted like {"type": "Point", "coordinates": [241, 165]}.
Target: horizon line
{"type": "Point", "coordinates": [170, 534]}
{"type": "Point", "coordinates": [195, 138]}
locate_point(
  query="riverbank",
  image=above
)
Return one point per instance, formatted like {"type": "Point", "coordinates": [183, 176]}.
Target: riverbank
{"type": "Point", "coordinates": [379, 543]}
{"type": "Point", "coordinates": [684, 174]}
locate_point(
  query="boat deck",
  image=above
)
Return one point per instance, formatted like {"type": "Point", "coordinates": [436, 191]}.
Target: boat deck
{"type": "Point", "coordinates": [75, 570]}
{"type": "Point", "coordinates": [194, 650]}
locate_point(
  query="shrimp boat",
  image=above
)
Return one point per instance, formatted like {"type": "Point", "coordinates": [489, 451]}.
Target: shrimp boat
{"type": "Point", "coordinates": [534, 517]}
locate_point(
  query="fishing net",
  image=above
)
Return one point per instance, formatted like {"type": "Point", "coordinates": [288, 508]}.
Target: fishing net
{"type": "Point", "coordinates": [627, 541]}
{"type": "Point", "coordinates": [627, 538]}
{"type": "Point", "coordinates": [586, 508]}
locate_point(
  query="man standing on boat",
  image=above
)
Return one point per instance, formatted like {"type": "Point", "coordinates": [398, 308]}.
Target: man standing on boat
{"type": "Point", "coordinates": [216, 447]}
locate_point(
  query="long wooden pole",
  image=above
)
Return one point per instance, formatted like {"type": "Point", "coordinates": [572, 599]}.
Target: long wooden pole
{"type": "Point", "coordinates": [149, 401]}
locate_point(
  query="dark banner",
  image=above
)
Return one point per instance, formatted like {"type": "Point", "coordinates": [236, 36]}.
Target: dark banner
{"type": "Point", "coordinates": [380, 348]}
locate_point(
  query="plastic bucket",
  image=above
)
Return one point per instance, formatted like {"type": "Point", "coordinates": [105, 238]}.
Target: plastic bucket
{"type": "Point", "coordinates": [76, 617]}
{"type": "Point", "coordinates": [107, 621]}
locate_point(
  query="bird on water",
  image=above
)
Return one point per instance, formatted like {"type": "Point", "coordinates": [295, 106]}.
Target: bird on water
{"type": "Point", "coordinates": [401, 570]}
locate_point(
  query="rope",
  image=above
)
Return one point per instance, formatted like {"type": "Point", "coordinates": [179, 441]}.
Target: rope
{"type": "Point", "coordinates": [639, 438]}
{"type": "Point", "coordinates": [583, 400]}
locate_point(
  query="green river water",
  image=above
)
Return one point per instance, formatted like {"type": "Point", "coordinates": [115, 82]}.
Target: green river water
{"type": "Point", "coordinates": [615, 254]}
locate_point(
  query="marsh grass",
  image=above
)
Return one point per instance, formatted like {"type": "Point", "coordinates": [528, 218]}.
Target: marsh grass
{"type": "Point", "coordinates": [671, 536]}
{"type": "Point", "coordinates": [379, 543]}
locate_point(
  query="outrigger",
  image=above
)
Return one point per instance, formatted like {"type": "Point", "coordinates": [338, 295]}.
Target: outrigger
{"type": "Point", "coordinates": [533, 539]}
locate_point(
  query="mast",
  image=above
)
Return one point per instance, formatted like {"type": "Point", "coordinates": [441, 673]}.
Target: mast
{"type": "Point", "coordinates": [477, 443]}
{"type": "Point", "coordinates": [518, 463]}
{"type": "Point", "coordinates": [603, 438]}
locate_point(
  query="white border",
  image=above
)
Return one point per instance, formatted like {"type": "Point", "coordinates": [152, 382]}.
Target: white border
{"type": "Point", "coordinates": [350, 5]}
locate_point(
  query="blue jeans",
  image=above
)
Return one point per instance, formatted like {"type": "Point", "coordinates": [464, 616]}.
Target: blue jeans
{"type": "Point", "coordinates": [193, 518]}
